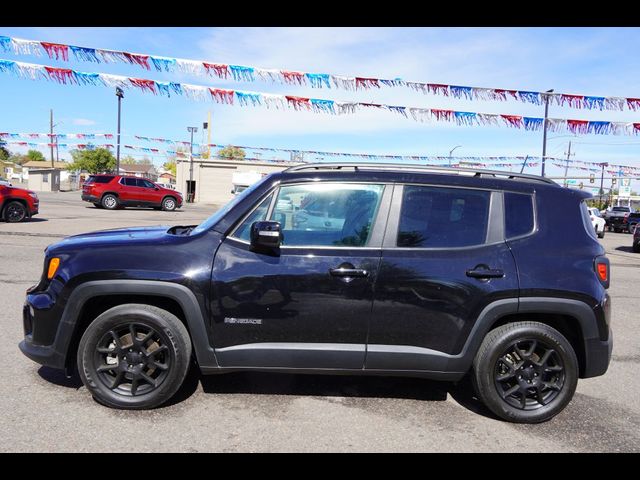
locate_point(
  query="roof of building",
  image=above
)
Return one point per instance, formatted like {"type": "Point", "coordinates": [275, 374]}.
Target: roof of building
{"type": "Point", "coordinates": [137, 167]}
{"type": "Point", "coordinates": [39, 164]}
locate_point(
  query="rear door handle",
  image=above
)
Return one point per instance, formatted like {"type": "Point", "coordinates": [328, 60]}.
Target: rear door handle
{"type": "Point", "coordinates": [485, 273]}
{"type": "Point", "coordinates": [348, 272]}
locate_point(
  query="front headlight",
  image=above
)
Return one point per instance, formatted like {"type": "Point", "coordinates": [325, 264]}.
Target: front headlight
{"type": "Point", "coordinates": [33, 195]}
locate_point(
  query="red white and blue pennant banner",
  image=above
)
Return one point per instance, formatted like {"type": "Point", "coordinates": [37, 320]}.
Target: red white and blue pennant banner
{"type": "Point", "coordinates": [225, 71]}
{"type": "Point", "coordinates": [245, 98]}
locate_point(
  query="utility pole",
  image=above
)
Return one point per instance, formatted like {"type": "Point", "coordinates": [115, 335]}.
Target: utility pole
{"type": "Point", "coordinates": [51, 137]}
{"type": "Point", "coordinates": [544, 132]}
{"type": "Point", "coordinates": [566, 168]}
{"type": "Point", "coordinates": [120, 95]}
{"type": "Point", "coordinates": [190, 192]}
{"type": "Point", "coordinates": [209, 135]}
{"type": "Point", "coordinates": [602, 180]}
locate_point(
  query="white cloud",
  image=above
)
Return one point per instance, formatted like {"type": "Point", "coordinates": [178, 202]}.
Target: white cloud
{"type": "Point", "coordinates": [83, 121]}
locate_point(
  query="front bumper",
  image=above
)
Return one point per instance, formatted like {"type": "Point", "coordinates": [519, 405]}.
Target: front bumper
{"type": "Point", "coordinates": [47, 355]}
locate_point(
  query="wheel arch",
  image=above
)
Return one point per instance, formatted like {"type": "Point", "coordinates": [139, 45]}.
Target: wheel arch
{"type": "Point", "coordinates": [93, 298]}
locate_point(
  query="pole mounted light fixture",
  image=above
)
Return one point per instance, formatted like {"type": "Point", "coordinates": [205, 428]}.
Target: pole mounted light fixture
{"type": "Point", "coordinates": [451, 153]}
{"type": "Point", "coordinates": [120, 95]}
{"type": "Point", "coordinates": [190, 189]}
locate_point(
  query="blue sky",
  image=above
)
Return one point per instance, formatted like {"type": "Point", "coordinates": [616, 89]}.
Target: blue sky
{"type": "Point", "coordinates": [589, 61]}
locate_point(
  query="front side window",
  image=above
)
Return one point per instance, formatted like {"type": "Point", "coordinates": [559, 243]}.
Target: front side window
{"type": "Point", "coordinates": [326, 214]}
{"type": "Point", "coordinates": [243, 232]}
{"type": "Point", "coordinates": [144, 183]}
{"type": "Point", "coordinates": [434, 217]}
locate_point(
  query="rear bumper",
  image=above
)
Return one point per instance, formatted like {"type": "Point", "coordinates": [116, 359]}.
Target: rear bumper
{"type": "Point", "coordinates": [90, 198]}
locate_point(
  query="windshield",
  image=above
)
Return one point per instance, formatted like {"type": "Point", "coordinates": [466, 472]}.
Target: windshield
{"type": "Point", "coordinates": [215, 218]}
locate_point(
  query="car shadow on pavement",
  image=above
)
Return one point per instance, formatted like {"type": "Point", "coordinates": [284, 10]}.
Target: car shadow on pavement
{"type": "Point", "coordinates": [58, 377]}
{"type": "Point", "coordinates": [37, 220]}
{"type": "Point", "coordinates": [625, 249]}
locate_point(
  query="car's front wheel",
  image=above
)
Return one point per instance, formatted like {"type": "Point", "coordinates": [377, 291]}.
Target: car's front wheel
{"type": "Point", "coordinates": [134, 356]}
{"type": "Point", "coordinates": [15, 212]}
{"type": "Point", "coordinates": [169, 204]}
{"type": "Point", "coordinates": [525, 372]}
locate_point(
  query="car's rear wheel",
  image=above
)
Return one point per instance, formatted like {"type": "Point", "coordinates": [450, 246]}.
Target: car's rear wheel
{"type": "Point", "coordinates": [636, 247]}
{"type": "Point", "coordinates": [525, 372]}
{"type": "Point", "coordinates": [15, 212]}
{"type": "Point", "coordinates": [110, 201]}
{"type": "Point", "coordinates": [134, 356]}
{"type": "Point", "coordinates": [169, 204]}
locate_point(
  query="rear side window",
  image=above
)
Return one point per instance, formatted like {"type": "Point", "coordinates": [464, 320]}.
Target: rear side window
{"type": "Point", "coordinates": [518, 212]}
{"type": "Point", "coordinates": [586, 220]}
{"type": "Point", "coordinates": [433, 217]}
{"type": "Point", "coordinates": [99, 179]}
{"type": "Point", "coordinates": [129, 182]}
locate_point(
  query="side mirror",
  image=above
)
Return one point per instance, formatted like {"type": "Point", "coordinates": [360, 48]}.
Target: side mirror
{"type": "Point", "coordinates": [265, 235]}
{"type": "Point", "coordinates": [156, 188]}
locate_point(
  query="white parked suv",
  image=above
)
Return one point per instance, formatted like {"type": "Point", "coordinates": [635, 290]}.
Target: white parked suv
{"type": "Point", "coordinates": [597, 221]}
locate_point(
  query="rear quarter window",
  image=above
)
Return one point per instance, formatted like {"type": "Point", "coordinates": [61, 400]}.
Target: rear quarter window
{"type": "Point", "coordinates": [99, 179]}
{"type": "Point", "coordinates": [518, 212]}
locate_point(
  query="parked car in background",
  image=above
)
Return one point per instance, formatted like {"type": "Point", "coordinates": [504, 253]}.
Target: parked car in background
{"type": "Point", "coordinates": [597, 221]}
{"type": "Point", "coordinates": [117, 191]}
{"type": "Point", "coordinates": [616, 218]}
{"type": "Point", "coordinates": [632, 220]}
{"type": "Point", "coordinates": [636, 238]}
{"type": "Point", "coordinates": [422, 272]}
{"type": "Point", "coordinates": [5, 182]}
{"type": "Point", "coordinates": [17, 204]}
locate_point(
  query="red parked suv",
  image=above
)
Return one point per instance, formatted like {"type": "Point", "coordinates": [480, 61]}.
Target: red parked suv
{"type": "Point", "coordinates": [16, 204]}
{"type": "Point", "coordinates": [114, 191]}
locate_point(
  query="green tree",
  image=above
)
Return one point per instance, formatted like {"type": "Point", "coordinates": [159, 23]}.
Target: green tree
{"type": "Point", "coordinates": [232, 152]}
{"type": "Point", "coordinates": [171, 166]}
{"type": "Point", "coordinates": [4, 153]}
{"type": "Point", "coordinates": [93, 161]}
{"type": "Point", "coordinates": [128, 160]}
{"type": "Point", "coordinates": [35, 155]}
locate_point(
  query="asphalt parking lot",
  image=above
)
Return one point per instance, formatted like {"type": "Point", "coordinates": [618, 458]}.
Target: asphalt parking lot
{"type": "Point", "coordinates": [42, 410]}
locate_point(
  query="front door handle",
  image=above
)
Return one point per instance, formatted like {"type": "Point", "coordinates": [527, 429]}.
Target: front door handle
{"type": "Point", "coordinates": [485, 273]}
{"type": "Point", "coordinates": [348, 272]}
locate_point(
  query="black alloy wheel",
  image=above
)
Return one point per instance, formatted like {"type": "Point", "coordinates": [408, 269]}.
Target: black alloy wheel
{"type": "Point", "coordinates": [529, 374]}
{"type": "Point", "coordinates": [15, 212]}
{"type": "Point", "coordinates": [132, 359]}
{"type": "Point", "coordinates": [134, 356]}
{"type": "Point", "coordinates": [525, 372]}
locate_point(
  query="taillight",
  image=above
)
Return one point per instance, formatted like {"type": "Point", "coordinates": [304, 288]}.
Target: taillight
{"type": "Point", "coordinates": [603, 271]}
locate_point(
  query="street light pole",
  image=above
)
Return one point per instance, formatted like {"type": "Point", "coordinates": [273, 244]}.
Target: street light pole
{"type": "Point", "coordinates": [544, 133]}
{"type": "Point", "coordinates": [602, 181]}
{"type": "Point", "coordinates": [190, 192]}
{"type": "Point", "coordinates": [120, 95]}
{"type": "Point", "coordinates": [451, 153]}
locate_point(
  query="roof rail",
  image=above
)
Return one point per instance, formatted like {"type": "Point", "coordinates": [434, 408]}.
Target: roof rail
{"type": "Point", "coordinates": [418, 168]}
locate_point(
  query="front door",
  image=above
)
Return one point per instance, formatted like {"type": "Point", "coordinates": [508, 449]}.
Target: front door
{"type": "Point", "coordinates": [444, 259]}
{"type": "Point", "coordinates": [308, 306]}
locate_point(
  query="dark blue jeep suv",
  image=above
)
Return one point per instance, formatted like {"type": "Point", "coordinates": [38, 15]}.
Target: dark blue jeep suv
{"type": "Point", "coordinates": [341, 268]}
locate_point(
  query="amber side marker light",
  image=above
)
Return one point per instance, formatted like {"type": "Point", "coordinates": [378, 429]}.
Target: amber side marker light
{"type": "Point", "coordinates": [54, 263]}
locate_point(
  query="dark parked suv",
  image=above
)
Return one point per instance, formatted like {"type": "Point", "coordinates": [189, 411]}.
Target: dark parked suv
{"type": "Point", "coordinates": [394, 270]}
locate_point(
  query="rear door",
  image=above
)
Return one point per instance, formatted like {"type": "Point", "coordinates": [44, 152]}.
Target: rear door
{"type": "Point", "coordinates": [444, 259]}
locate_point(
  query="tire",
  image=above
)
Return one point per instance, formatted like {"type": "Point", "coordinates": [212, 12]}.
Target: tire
{"type": "Point", "coordinates": [110, 201]}
{"type": "Point", "coordinates": [169, 204]}
{"type": "Point", "coordinates": [124, 385]}
{"type": "Point", "coordinates": [601, 233]}
{"type": "Point", "coordinates": [497, 358]}
{"type": "Point", "coordinates": [15, 212]}
{"type": "Point", "coordinates": [636, 247]}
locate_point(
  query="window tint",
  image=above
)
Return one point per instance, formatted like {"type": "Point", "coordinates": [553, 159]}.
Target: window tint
{"type": "Point", "coordinates": [586, 220]}
{"type": "Point", "coordinates": [243, 232]}
{"type": "Point", "coordinates": [99, 179]}
{"type": "Point", "coordinates": [129, 182]}
{"type": "Point", "coordinates": [518, 212]}
{"type": "Point", "coordinates": [325, 214]}
{"type": "Point", "coordinates": [434, 217]}
{"type": "Point", "coordinates": [145, 183]}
